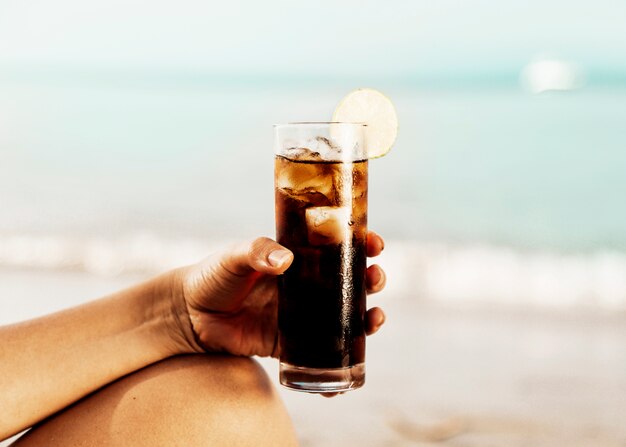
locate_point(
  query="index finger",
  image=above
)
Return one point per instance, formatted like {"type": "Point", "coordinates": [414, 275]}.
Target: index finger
{"type": "Point", "coordinates": [375, 244]}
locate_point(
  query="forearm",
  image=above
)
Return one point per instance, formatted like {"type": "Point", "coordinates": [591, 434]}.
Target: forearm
{"type": "Point", "coordinates": [48, 363]}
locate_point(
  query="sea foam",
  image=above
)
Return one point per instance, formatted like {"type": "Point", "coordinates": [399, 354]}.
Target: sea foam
{"type": "Point", "coordinates": [440, 272]}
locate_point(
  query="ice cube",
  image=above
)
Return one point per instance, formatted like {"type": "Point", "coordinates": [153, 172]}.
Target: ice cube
{"type": "Point", "coordinates": [325, 147]}
{"type": "Point", "coordinates": [306, 181]}
{"type": "Point", "coordinates": [341, 174]}
{"type": "Point", "coordinates": [328, 225]}
{"type": "Point", "coordinates": [359, 181]}
{"type": "Point", "coordinates": [316, 148]}
{"type": "Point", "coordinates": [302, 154]}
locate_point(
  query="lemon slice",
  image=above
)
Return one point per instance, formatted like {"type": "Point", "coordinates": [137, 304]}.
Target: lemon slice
{"type": "Point", "coordinates": [371, 107]}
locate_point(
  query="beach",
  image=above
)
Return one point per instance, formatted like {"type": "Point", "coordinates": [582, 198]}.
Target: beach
{"type": "Point", "coordinates": [479, 377]}
{"type": "Point", "coordinates": [136, 137]}
{"type": "Point", "coordinates": [502, 213]}
{"type": "Point", "coordinates": [437, 374]}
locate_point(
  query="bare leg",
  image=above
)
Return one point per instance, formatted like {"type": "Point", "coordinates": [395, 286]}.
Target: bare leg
{"type": "Point", "coordinates": [189, 400]}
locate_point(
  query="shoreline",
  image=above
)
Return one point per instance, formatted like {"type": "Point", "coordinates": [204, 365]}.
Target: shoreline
{"type": "Point", "coordinates": [452, 274]}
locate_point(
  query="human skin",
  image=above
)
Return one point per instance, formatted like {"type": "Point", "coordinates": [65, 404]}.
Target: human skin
{"type": "Point", "coordinates": [223, 304]}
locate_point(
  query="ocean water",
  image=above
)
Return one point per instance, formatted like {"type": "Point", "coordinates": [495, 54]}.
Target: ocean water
{"type": "Point", "coordinates": [490, 194]}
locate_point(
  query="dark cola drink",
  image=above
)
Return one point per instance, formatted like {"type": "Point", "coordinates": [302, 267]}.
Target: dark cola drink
{"type": "Point", "coordinates": [321, 216]}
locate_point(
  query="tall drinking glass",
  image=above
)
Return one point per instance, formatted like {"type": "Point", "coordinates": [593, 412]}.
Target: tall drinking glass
{"type": "Point", "coordinates": [321, 216]}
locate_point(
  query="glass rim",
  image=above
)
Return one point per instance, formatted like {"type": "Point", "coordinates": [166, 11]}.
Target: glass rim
{"type": "Point", "coordinates": [319, 123]}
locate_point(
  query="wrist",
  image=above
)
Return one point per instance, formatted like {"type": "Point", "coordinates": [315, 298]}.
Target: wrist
{"type": "Point", "coordinates": [179, 326]}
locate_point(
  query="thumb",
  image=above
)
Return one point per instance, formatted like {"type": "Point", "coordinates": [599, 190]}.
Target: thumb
{"type": "Point", "coordinates": [263, 255]}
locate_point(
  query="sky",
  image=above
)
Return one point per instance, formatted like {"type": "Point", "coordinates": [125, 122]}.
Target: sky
{"type": "Point", "coordinates": [392, 38]}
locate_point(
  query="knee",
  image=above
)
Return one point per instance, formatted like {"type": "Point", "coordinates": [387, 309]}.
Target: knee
{"type": "Point", "coordinates": [228, 400]}
{"type": "Point", "coordinates": [202, 378]}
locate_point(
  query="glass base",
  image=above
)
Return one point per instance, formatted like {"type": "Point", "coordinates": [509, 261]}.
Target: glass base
{"type": "Point", "coordinates": [322, 380]}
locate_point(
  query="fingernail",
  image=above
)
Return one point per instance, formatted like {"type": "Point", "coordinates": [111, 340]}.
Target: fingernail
{"type": "Point", "coordinates": [279, 257]}
{"type": "Point", "coordinates": [382, 278]}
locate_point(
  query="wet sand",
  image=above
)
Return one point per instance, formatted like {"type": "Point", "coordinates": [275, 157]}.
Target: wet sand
{"type": "Point", "coordinates": [436, 375]}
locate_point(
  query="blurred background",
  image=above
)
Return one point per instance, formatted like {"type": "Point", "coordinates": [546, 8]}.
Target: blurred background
{"type": "Point", "coordinates": [136, 136]}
